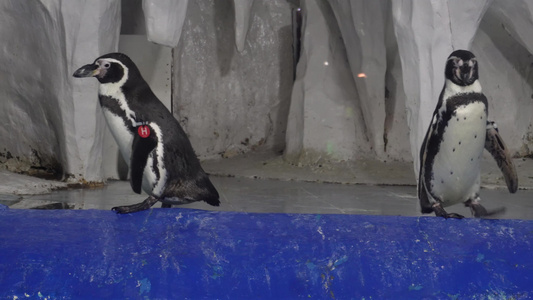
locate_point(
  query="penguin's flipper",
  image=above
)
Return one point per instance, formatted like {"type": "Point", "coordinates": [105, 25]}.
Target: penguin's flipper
{"type": "Point", "coordinates": [141, 148]}
{"type": "Point", "coordinates": [423, 197]}
{"type": "Point", "coordinates": [495, 145]}
{"type": "Point", "coordinates": [425, 204]}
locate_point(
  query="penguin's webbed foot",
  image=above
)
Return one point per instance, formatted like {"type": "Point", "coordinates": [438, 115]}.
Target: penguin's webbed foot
{"type": "Point", "coordinates": [440, 212]}
{"type": "Point", "coordinates": [126, 209]}
{"type": "Point", "coordinates": [478, 211]}
{"type": "Point", "coordinates": [166, 205]}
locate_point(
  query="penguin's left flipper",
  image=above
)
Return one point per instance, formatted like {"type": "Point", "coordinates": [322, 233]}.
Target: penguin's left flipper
{"type": "Point", "coordinates": [423, 197]}
{"type": "Point", "coordinates": [495, 145]}
{"type": "Point", "coordinates": [141, 148]}
{"type": "Point", "coordinates": [146, 204]}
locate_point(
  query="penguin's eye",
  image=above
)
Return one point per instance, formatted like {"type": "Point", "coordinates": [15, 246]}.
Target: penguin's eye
{"type": "Point", "coordinates": [106, 65]}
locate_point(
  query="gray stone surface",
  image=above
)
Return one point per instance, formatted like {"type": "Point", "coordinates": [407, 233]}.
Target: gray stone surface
{"type": "Point", "coordinates": [230, 102]}
{"type": "Point", "coordinates": [276, 196]}
{"type": "Point", "coordinates": [233, 81]}
{"type": "Point", "coordinates": [326, 122]}
{"type": "Point", "coordinates": [48, 120]}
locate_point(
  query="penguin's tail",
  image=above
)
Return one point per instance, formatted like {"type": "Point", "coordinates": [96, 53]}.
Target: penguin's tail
{"type": "Point", "coordinates": [209, 193]}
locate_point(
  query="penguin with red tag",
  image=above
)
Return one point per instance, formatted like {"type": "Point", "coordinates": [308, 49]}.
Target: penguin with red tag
{"type": "Point", "coordinates": [160, 156]}
{"type": "Point", "coordinates": [452, 149]}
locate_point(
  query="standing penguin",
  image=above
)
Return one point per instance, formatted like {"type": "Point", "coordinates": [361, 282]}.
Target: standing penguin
{"type": "Point", "coordinates": [160, 156]}
{"type": "Point", "coordinates": [453, 146]}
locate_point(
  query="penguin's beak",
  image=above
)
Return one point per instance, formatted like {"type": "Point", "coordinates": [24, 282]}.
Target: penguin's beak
{"type": "Point", "coordinates": [89, 70]}
{"type": "Point", "coordinates": [466, 75]}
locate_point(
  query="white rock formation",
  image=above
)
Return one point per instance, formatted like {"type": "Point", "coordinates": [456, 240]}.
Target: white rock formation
{"type": "Point", "coordinates": [164, 20]}
{"type": "Point", "coordinates": [233, 76]}
{"type": "Point", "coordinates": [362, 25]}
{"type": "Point", "coordinates": [325, 118]}
{"type": "Point", "coordinates": [49, 121]}
{"type": "Point", "coordinates": [230, 102]}
{"type": "Point", "coordinates": [506, 75]}
{"type": "Point", "coordinates": [243, 10]}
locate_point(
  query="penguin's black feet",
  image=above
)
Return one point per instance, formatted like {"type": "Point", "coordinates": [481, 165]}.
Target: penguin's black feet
{"type": "Point", "coordinates": [166, 205]}
{"type": "Point", "coordinates": [440, 212]}
{"type": "Point", "coordinates": [478, 211]}
{"type": "Point", "coordinates": [146, 204]}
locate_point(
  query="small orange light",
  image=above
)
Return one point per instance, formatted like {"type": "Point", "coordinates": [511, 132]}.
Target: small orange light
{"type": "Point", "coordinates": [361, 75]}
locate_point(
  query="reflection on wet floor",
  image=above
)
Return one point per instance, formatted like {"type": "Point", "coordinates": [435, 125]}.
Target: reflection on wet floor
{"type": "Point", "coordinates": [273, 196]}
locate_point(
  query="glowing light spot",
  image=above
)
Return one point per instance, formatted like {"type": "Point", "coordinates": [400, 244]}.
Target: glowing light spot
{"type": "Point", "coordinates": [326, 63]}
{"type": "Point", "coordinates": [299, 9]}
{"type": "Point", "coordinates": [348, 111]}
{"type": "Point", "coordinates": [361, 75]}
{"type": "Point", "coordinates": [330, 148]}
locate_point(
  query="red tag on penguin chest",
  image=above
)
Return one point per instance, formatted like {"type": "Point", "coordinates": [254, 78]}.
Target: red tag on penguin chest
{"type": "Point", "coordinates": [143, 131]}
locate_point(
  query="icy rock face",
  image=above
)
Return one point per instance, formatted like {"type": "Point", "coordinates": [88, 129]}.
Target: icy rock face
{"type": "Point", "coordinates": [230, 102]}
{"type": "Point", "coordinates": [367, 82]}
{"type": "Point", "coordinates": [164, 20]}
{"type": "Point", "coordinates": [517, 17]}
{"type": "Point", "coordinates": [86, 125]}
{"type": "Point", "coordinates": [362, 25]}
{"type": "Point", "coordinates": [353, 107]}
{"type": "Point", "coordinates": [50, 121]}
{"type": "Point", "coordinates": [325, 119]}
{"type": "Point", "coordinates": [242, 21]}
{"type": "Point", "coordinates": [504, 51]}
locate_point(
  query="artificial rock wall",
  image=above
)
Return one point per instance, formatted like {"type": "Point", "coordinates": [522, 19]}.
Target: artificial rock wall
{"type": "Point", "coordinates": [366, 83]}
{"type": "Point", "coordinates": [348, 100]}
{"type": "Point", "coordinates": [50, 123]}
{"type": "Point", "coordinates": [233, 75]}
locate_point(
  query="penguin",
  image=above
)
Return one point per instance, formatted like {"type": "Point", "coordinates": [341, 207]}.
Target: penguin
{"type": "Point", "coordinates": [160, 157]}
{"type": "Point", "coordinates": [453, 146]}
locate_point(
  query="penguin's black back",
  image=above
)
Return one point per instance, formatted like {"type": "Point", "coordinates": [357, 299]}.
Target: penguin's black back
{"type": "Point", "coordinates": [185, 177]}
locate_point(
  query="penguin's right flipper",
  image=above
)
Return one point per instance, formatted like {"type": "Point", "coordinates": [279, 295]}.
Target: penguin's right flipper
{"type": "Point", "coordinates": [141, 148]}
{"type": "Point", "coordinates": [495, 145]}
{"type": "Point", "coordinates": [423, 198]}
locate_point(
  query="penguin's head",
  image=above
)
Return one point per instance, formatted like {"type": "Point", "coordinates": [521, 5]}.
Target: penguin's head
{"type": "Point", "coordinates": [461, 68]}
{"type": "Point", "coordinates": [108, 68]}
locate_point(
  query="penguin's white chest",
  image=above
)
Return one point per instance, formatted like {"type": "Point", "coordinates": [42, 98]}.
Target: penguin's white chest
{"type": "Point", "coordinates": [120, 133]}
{"type": "Point", "coordinates": [456, 164]}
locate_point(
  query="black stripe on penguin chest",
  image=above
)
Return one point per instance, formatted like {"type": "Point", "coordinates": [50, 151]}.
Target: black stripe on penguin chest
{"type": "Point", "coordinates": [113, 106]}
{"type": "Point", "coordinates": [436, 140]}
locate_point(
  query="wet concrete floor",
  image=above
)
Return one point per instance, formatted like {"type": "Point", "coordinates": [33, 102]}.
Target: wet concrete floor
{"type": "Point", "coordinates": [276, 196]}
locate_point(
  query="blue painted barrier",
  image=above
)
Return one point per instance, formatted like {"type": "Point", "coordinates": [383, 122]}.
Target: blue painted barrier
{"type": "Point", "coordinates": [191, 254]}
